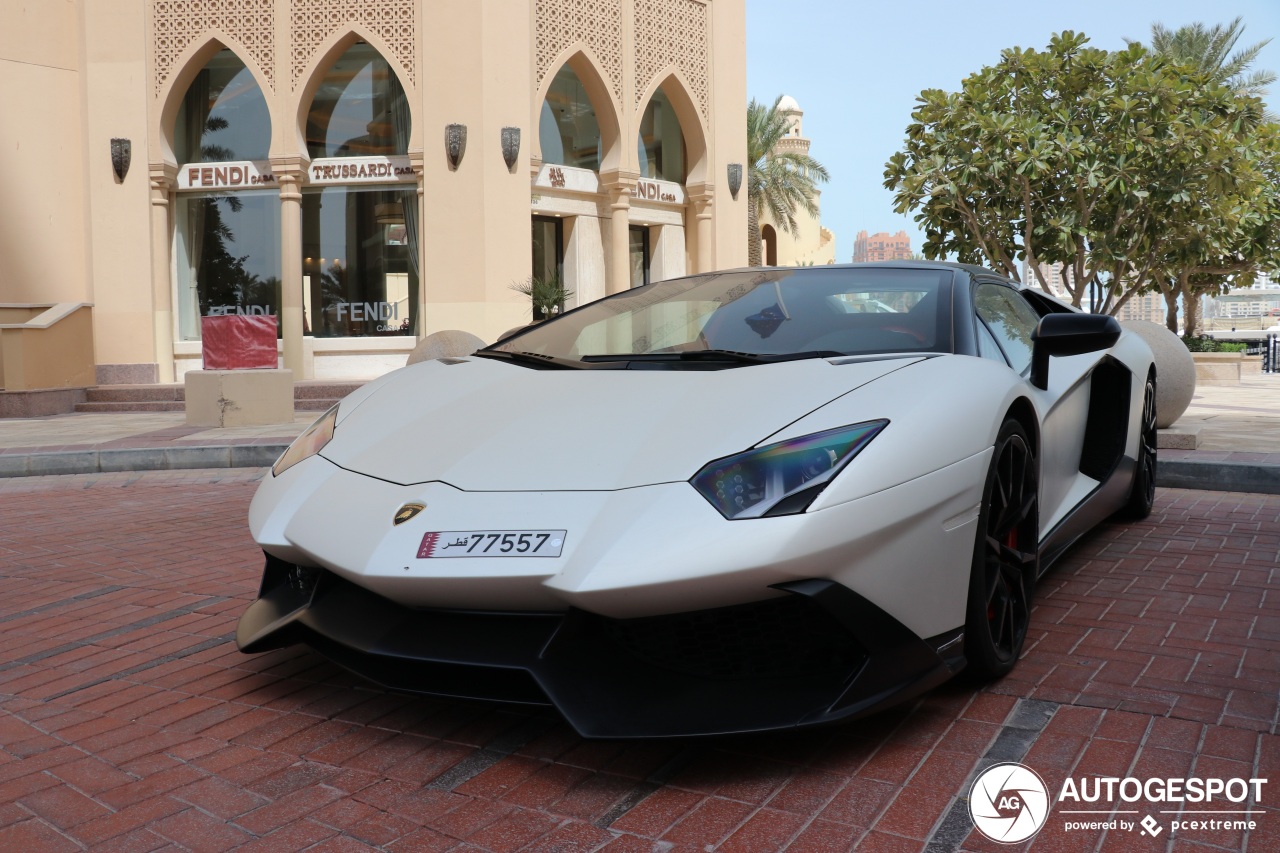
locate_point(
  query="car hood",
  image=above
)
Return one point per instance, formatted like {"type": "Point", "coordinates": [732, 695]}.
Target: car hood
{"type": "Point", "coordinates": [485, 425]}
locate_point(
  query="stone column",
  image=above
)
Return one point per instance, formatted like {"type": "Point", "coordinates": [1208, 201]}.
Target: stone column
{"type": "Point", "coordinates": [619, 185]}
{"type": "Point", "coordinates": [417, 162]}
{"type": "Point", "coordinates": [701, 201]}
{"type": "Point", "coordinates": [163, 178]}
{"type": "Point", "coordinates": [289, 172]}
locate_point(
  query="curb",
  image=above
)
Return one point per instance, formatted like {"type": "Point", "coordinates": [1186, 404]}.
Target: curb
{"type": "Point", "coordinates": [139, 459]}
{"type": "Point", "coordinates": [1218, 476]}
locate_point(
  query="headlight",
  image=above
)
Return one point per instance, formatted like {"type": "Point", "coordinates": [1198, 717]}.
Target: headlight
{"type": "Point", "coordinates": [782, 478]}
{"type": "Point", "coordinates": [311, 442]}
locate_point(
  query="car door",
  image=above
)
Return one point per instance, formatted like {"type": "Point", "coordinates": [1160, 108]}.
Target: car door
{"type": "Point", "coordinates": [1007, 319]}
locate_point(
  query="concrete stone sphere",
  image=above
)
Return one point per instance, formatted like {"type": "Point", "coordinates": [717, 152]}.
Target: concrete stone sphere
{"type": "Point", "coordinates": [1175, 370]}
{"type": "Point", "coordinates": [450, 343]}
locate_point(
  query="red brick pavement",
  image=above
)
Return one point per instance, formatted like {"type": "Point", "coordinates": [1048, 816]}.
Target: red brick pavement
{"type": "Point", "coordinates": [128, 720]}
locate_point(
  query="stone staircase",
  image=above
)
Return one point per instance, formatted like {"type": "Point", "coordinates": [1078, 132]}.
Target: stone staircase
{"type": "Point", "coordinates": [312, 395]}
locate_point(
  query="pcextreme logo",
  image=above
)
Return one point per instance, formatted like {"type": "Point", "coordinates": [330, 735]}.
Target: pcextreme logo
{"type": "Point", "coordinates": [1010, 803]}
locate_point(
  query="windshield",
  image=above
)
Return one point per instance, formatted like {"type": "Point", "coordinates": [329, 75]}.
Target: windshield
{"type": "Point", "coordinates": [848, 311]}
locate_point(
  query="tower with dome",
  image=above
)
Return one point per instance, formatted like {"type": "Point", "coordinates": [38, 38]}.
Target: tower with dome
{"type": "Point", "coordinates": [810, 243]}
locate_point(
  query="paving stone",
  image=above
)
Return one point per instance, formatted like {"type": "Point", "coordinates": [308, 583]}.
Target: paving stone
{"type": "Point", "coordinates": [134, 723]}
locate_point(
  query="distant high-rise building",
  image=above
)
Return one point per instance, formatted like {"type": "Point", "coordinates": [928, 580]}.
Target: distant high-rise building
{"type": "Point", "coordinates": [881, 247]}
{"type": "Point", "coordinates": [1055, 275]}
{"type": "Point", "coordinates": [1147, 306]}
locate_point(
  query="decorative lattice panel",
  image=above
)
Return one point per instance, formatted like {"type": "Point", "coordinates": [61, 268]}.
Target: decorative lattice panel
{"type": "Point", "coordinates": [673, 32]}
{"type": "Point", "coordinates": [175, 24]}
{"type": "Point", "coordinates": [560, 23]}
{"type": "Point", "coordinates": [313, 21]}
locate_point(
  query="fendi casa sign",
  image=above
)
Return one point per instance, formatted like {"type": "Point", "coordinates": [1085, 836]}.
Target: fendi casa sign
{"type": "Point", "coordinates": [254, 174]}
{"type": "Point", "coordinates": [655, 190]}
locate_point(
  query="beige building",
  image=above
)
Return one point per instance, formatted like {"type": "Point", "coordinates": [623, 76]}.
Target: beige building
{"type": "Point", "coordinates": [368, 171]}
{"type": "Point", "coordinates": [809, 243]}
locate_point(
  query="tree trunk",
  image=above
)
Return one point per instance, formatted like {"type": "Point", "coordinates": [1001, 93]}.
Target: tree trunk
{"type": "Point", "coordinates": [753, 236]}
{"type": "Point", "coordinates": [1170, 308]}
{"type": "Point", "coordinates": [1191, 310]}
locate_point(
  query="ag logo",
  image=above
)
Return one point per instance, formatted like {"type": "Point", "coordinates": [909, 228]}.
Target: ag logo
{"type": "Point", "coordinates": [407, 512]}
{"type": "Point", "coordinates": [1008, 803]}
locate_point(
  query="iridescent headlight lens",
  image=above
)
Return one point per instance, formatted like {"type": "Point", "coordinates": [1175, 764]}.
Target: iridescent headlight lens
{"type": "Point", "coordinates": [309, 443]}
{"type": "Point", "coordinates": [782, 478]}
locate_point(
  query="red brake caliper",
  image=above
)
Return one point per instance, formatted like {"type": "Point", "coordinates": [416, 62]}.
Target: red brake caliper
{"type": "Point", "coordinates": [1011, 542]}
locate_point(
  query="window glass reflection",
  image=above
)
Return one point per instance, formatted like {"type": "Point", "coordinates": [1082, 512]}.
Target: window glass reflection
{"type": "Point", "coordinates": [223, 115]}
{"type": "Point", "coordinates": [227, 257]}
{"type": "Point", "coordinates": [359, 269]}
{"type": "Point", "coordinates": [359, 109]}
{"type": "Point", "coordinates": [661, 142]}
{"type": "Point", "coordinates": [567, 128]}
{"type": "Point", "coordinates": [1011, 321]}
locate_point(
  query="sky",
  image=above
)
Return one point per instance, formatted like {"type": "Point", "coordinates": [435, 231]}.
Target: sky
{"type": "Point", "coordinates": [856, 67]}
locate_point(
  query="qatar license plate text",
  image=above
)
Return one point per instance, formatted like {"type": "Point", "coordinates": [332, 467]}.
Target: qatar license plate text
{"type": "Point", "coordinates": [491, 543]}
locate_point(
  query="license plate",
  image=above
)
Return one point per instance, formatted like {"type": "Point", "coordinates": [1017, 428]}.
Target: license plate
{"type": "Point", "coordinates": [491, 543]}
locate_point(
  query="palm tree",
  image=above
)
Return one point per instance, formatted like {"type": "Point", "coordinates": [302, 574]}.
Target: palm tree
{"type": "Point", "coordinates": [778, 180]}
{"type": "Point", "coordinates": [1209, 49]}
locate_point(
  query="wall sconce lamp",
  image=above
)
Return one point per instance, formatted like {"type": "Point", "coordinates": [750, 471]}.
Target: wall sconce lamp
{"type": "Point", "coordinates": [510, 146]}
{"type": "Point", "coordinates": [735, 179]}
{"type": "Point", "coordinates": [455, 144]}
{"type": "Point", "coordinates": [121, 155]}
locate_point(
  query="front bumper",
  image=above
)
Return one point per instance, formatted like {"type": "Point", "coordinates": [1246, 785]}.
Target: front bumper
{"type": "Point", "coordinates": [814, 653]}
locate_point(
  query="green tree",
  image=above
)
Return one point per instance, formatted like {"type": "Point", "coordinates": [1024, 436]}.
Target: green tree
{"type": "Point", "coordinates": [1207, 49]}
{"type": "Point", "coordinates": [1112, 163]}
{"type": "Point", "coordinates": [779, 180]}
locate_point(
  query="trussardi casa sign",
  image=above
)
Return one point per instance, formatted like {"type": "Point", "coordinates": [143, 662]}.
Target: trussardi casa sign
{"type": "Point", "coordinates": [361, 170]}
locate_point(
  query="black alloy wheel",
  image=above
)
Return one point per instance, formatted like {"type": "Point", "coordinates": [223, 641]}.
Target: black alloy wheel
{"type": "Point", "coordinates": [1143, 495]}
{"type": "Point", "coordinates": [1006, 557]}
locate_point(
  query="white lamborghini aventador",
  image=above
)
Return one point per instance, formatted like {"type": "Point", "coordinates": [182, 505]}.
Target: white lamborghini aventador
{"type": "Point", "coordinates": [736, 501]}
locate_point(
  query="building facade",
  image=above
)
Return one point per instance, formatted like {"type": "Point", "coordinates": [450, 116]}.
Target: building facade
{"type": "Point", "coordinates": [881, 246]}
{"type": "Point", "coordinates": [809, 243]}
{"type": "Point", "coordinates": [367, 171]}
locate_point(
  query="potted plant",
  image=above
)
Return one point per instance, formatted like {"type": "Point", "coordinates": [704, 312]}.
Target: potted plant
{"type": "Point", "coordinates": [546, 294]}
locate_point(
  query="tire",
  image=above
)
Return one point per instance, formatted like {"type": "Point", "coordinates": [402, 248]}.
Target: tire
{"type": "Point", "coordinates": [1143, 494]}
{"type": "Point", "coordinates": [1005, 557]}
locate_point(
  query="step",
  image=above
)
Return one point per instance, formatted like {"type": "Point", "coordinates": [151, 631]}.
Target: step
{"type": "Point", "coordinates": [318, 389]}
{"type": "Point", "coordinates": [135, 393]}
{"type": "Point", "coordinates": [132, 406]}
{"type": "Point", "coordinates": [314, 404]}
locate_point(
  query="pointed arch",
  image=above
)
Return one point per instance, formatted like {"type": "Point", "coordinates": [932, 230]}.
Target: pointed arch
{"type": "Point", "coordinates": [330, 51]}
{"type": "Point", "coordinates": [189, 64]}
{"type": "Point", "coordinates": [587, 66]}
{"type": "Point", "coordinates": [676, 87]}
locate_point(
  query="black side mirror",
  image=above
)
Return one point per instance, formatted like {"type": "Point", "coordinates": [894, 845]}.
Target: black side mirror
{"type": "Point", "coordinates": [1069, 334]}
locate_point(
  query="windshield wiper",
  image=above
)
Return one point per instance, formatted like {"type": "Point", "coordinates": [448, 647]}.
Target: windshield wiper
{"type": "Point", "coordinates": [534, 359]}
{"type": "Point", "coordinates": [755, 357]}
{"type": "Point", "coordinates": [713, 355]}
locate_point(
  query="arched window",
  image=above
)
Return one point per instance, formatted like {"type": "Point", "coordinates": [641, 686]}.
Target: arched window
{"type": "Point", "coordinates": [223, 116]}
{"type": "Point", "coordinates": [567, 130]}
{"type": "Point", "coordinates": [359, 108]}
{"type": "Point", "coordinates": [227, 234]}
{"type": "Point", "coordinates": [360, 240]}
{"type": "Point", "coordinates": [661, 142]}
